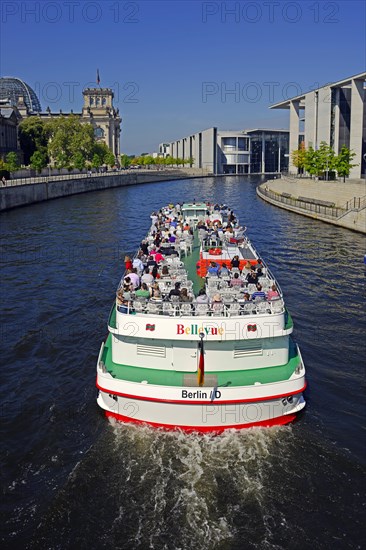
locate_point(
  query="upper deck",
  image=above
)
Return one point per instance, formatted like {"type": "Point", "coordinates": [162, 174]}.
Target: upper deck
{"type": "Point", "coordinates": [193, 251]}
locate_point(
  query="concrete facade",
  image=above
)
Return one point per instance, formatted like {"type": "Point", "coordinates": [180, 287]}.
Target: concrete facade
{"type": "Point", "coordinates": [234, 151]}
{"type": "Point", "coordinates": [336, 114]}
{"type": "Point", "coordinates": [13, 196]}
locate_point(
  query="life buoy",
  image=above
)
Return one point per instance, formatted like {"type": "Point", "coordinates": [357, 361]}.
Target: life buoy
{"type": "Point", "coordinates": [214, 251]}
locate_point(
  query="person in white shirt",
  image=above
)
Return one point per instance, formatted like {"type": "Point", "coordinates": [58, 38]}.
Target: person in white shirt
{"type": "Point", "coordinates": [147, 277]}
{"type": "Point", "coordinates": [138, 265]}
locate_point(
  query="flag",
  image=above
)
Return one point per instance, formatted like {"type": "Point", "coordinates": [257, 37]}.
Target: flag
{"type": "Point", "coordinates": [98, 77]}
{"type": "Point", "coordinates": [201, 365]}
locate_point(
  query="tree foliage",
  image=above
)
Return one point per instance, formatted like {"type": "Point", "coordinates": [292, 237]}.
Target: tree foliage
{"type": "Point", "coordinates": [323, 160]}
{"type": "Point", "coordinates": [33, 136]}
{"type": "Point", "coordinates": [70, 140]}
{"type": "Point", "coordinates": [12, 161]}
{"type": "Point", "coordinates": [38, 160]}
{"type": "Point", "coordinates": [343, 162]}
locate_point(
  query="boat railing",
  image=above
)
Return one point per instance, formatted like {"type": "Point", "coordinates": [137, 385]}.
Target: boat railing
{"type": "Point", "coordinates": [233, 308]}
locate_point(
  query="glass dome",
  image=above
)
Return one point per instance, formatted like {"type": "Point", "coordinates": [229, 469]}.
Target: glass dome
{"type": "Point", "coordinates": [12, 88]}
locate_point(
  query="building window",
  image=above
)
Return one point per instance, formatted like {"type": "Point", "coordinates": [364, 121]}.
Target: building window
{"type": "Point", "coordinates": [99, 132]}
{"type": "Point", "coordinates": [91, 101]}
{"type": "Point", "coordinates": [243, 144]}
{"type": "Point", "coordinates": [104, 101]}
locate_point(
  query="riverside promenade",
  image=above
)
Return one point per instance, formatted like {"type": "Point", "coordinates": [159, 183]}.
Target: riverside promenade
{"type": "Point", "coordinates": [21, 192]}
{"type": "Point", "coordinates": [335, 202]}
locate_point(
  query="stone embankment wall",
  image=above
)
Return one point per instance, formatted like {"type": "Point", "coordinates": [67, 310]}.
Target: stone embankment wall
{"type": "Point", "coordinates": [12, 196]}
{"type": "Point", "coordinates": [334, 202]}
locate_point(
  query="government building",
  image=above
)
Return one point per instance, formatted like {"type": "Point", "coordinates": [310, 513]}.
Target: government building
{"type": "Point", "coordinates": [254, 151]}
{"type": "Point", "coordinates": [18, 101]}
{"type": "Point", "coordinates": [334, 113]}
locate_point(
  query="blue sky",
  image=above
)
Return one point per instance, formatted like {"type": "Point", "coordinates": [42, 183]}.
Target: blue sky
{"type": "Point", "coordinates": [179, 67]}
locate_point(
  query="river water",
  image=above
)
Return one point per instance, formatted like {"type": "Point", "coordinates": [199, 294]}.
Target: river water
{"type": "Point", "coordinates": [71, 479]}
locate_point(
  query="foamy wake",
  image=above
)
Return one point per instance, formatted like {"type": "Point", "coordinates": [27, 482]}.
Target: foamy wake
{"type": "Point", "coordinates": [188, 490]}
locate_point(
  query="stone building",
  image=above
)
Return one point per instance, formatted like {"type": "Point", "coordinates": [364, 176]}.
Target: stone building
{"type": "Point", "coordinates": [334, 113]}
{"type": "Point", "coordinates": [18, 101]}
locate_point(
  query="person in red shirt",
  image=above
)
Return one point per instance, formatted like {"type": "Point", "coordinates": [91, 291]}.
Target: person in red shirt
{"type": "Point", "coordinates": [128, 262]}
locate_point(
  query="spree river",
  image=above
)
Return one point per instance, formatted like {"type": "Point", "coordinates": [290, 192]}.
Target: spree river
{"type": "Point", "coordinates": [73, 480]}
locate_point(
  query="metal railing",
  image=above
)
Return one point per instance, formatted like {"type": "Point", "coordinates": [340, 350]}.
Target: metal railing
{"type": "Point", "coordinates": [193, 309]}
{"type": "Point", "coordinates": [333, 212]}
{"type": "Point", "coordinates": [86, 175]}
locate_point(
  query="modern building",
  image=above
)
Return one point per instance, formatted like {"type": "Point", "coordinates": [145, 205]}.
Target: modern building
{"type": "Point", "coordinates": [334, 113]}
{"type": "Point", "coordinates": [98, 110]}
{"type": "Point", "coordinates": [252, 151]}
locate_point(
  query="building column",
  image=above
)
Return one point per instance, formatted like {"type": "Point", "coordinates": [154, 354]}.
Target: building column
{"type": "Point", "coordinates": [357, 106]}
{"type": "Point", "coordinates": [294, 132]}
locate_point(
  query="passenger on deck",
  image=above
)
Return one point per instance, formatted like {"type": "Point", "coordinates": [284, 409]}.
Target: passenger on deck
{"type": "Point", "coordinates": [252, 277]}
{"type": "Point", "coordinates": [156, 295]}
{"type": "Point", "coordinates": [246, 295]}
{"type": "Point", "coordinates": [147, 277]}
{"type": "Point", "coordinates": [247, 268]}
{"type": "Point", "coordinates": [127, 285]}
{"type": "Point", "coordinates": [172, 237]}
{"type": "Point", "coordinates": [165, 272]}
{"type": "Point", "coordinates": [213, 269]}
{"type": "Point", "coordinates": [259, 267]}
{"type": "Point", "coordinates": [202, 297]}
{"type": "Point", "coordinates": [216, 302]}
{"type": "Point", "coordinates": [224, 271]}
{"type": "Point", "coordinates": [135, 279]}
{"type": "Point", "coordinates": [158, 256]}
{"type": "Point", "coordinates": [259, 294]}
{"type": "Point", "coordinates": [184, 296]}
{"type": "Point", "coordinates": [175, 291]}
{"type": "Point", "coordinates": [235, 262]}
{"type": "Point", "coordinates": [119, 297]}
{"type": "Point", "coordinates": [138, 265]}
{"type": "Point", "coordinates": [151, 262]}
{"type": "Point", "coordinates": [273, 293]}
{"type": "Point", "coordinates": [143, 292]}
{"type": "Point", "coordinates": [144, 247]}
{"type": "Point", "coordinates": [236, 281]}
{"type": "Point", "coordinates": [128, 262]}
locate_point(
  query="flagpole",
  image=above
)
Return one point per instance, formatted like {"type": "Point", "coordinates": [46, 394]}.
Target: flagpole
{"type": "Point", "coordinates": [201, 362]}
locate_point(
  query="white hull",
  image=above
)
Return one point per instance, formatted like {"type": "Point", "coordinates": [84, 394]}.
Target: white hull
{"type": "Point", "coordinates": [202, 417]}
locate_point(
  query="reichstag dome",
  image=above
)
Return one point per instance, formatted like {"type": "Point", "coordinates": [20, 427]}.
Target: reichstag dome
{"type": "Point", "coordinates": [12, 88]}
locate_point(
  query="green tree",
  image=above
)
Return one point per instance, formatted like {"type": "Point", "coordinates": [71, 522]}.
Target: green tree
{"type": "Point", "coordinates": [12, 161]}
{"type": "Point", "coordinates": [125, 161]}
{"type": "Point", "coordinates": [96, 161]}
{"type": "Point", "coordinates": [79, 161]}
{"type": "Point", "coordinates": [326, 158]}
{"type": "Point", "coordinates": [68, 136]}
{"type": "Point", "coordinates": [343, 162]}
{"type": "Point", "coordinates": [313, 164]}
{"type": "Point", "coordinates": [299, 157]}
{"type": "Point", "coordinates": [33, 136]}
{"type": "Point", "coordinates": [109, 159]}
{"type": "Point", "coordinates": [38, 160]}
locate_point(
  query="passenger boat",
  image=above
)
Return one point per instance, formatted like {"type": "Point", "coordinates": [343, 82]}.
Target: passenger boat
{"type": "Point", "coordinates": [202, 366]}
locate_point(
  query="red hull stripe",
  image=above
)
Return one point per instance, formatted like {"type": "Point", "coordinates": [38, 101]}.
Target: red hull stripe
{"type": "Point", "coordinates": [280, 421]}
{"type": "Point", "coordinates": [185, 402]}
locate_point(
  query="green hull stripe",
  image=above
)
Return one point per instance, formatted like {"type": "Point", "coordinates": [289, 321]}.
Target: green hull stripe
{"type": "Point", "coordinates": [265, 375]}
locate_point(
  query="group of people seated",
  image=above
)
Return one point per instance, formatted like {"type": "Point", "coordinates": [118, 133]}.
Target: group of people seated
{"type": "Point", "coordinates": [149, 268]}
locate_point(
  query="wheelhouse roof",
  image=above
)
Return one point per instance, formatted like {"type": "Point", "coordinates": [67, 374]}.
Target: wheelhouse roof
{"type": "Point", "coordinates": [194, 206]}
